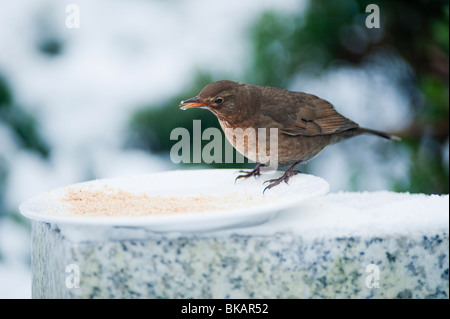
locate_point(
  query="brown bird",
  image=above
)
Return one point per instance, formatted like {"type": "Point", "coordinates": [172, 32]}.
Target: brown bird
{"type": "Point", "coordinates": [305, 123]}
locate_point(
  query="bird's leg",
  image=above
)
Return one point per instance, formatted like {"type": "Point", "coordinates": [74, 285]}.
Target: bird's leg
{"type": "Point", "coordinates": [255, 172]}
{"type": "Point", "coordinates": [285, 178]}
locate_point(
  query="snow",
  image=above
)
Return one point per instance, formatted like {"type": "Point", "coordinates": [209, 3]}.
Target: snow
{"type": "Point", "coordinates": [375, 214]}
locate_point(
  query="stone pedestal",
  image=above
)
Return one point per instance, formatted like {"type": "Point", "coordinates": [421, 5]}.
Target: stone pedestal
{"type": "Point", "coordinates": [345, 245]}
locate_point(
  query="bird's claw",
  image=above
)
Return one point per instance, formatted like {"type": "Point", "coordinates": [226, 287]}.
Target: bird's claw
{"type": "Point", "coordinates": [271, 180]}
{"type": "Point", "coordinates": [246, 175]}
{"type": "Point", "coordinates": [277, 181]}
{"type": "Point", "coordinates": [255, 172]}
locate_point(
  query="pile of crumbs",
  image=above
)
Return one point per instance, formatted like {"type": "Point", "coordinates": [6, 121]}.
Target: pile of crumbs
{"type": "Point", "coordinates": [116, 202]}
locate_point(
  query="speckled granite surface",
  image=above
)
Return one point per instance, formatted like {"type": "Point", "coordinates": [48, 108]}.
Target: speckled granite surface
{"type": "Point", "coordinates": [302, 253]}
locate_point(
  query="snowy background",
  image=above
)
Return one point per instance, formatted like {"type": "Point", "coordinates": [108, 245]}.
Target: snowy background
{"type": "Point", "coordinates": [125, 54]}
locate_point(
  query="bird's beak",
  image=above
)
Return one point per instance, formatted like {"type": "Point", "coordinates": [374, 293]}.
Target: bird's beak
{"type": "Point", "coordinates": [191, 103]}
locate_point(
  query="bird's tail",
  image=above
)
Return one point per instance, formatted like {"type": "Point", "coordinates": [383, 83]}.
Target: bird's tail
{"type": "Point", "coordinates": [379, 133]}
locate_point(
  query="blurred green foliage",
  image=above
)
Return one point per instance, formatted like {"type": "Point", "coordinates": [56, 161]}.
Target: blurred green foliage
{"type": "Point", "coordinates": [332, 33]}
{"type": "Point", "coordinates": [24, 129]}
{"type": "Point", "coordinates": [23, 125]}
{"type": "Point", "coordinates": [284, 46]}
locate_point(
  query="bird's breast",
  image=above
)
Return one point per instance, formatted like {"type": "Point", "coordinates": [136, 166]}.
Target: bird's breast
{"type": "Point", "coordinates": [261, 147]}
{"type": "Point", "coordinates": [243, 138]}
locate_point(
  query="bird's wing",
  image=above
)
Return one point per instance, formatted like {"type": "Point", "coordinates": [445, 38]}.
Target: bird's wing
{"type": "Point", "coordinates": [304, 114]}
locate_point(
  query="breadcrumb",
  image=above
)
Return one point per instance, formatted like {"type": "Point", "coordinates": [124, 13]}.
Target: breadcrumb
{"type": "Point", "coordinates": [115, 202]}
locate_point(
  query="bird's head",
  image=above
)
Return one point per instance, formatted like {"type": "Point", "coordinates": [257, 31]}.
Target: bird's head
{"type": "Point", "coordinates": [222, 98]}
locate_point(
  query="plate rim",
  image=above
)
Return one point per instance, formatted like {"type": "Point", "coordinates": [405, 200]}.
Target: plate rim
{"type": "Point", "coordinates": [238, 214]}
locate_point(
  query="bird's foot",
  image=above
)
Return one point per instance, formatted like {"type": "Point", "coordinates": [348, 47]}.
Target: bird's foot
{"type": "Point", "coordinates": [255, 172]}
{"type": "Point", "coordinates": [276, 181]}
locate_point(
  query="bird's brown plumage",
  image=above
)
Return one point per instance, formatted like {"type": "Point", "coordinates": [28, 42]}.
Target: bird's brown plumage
{"type": "Point", "coordinates": [302, 114]}
{"type": "Point", "coordinates": [306, 123]}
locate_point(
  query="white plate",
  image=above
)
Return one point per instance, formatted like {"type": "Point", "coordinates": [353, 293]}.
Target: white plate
{"type": "Point", "coordinates": [215, 182]}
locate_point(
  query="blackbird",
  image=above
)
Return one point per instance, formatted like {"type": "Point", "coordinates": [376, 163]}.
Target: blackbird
{"type": "Point", "coordinates": [305, 123]}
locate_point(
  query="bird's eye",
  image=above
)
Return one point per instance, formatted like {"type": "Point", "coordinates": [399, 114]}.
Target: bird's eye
{"type": "Point", "coordinates": [218, 101]}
